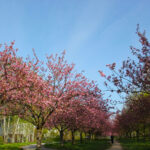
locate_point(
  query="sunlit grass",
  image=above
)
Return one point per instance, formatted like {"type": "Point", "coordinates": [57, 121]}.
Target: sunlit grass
{"type": "Point", "coordinates": [13, 146]}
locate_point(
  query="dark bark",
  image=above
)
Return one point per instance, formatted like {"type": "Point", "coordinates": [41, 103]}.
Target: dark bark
{"type": "Point", "coordinates": [149, 131]}
{"type": "Point", "coordinates": [81, 137]}
{"type": "Point", "coordinates": [144, 133]}
{"type": "Point", "coordinates": [130, 135]}
{"type": "Point", "coordinates": [89, 137]}
{"type": "Point", "coordinates": [39, 138]}
{"type": "Point", "coordinates": [72, 133]}
{"type": "Point", "coordinates": [137, 135]}
{"type": "Point", "coordinates": [61, 137]}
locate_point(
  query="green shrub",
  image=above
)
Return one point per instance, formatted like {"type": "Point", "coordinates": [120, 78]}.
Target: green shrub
{"type": "Point", "coordinates": [51, 140]}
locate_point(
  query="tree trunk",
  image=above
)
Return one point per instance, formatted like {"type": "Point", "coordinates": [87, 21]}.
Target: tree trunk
{"type": "Point", "coordinates": [4, 128]}
{"type": "Point", "coordinates": [8, 128]}
{"type": "Point", "coordinates": [39, 138]}
{"type": "Point", "coordinates": [72, 133]}
{"type": "Point", "coordinates": [130, 135]}
{"type": "Point", "coordinates": [149, 131]}
{"type": "Point", "coordinates": [61, 137]}
{"type": "Point", "coordinates": [14, 131]}
{"type": "Point", "coordinates": [93, 137]}
{"type": "Point", "coordinates": [126, 134]}
{"type": "Point", "coordinates": [89, 136]}
{"type": "Point", "coordinates": [81, 137]}
{"type": "Point", "coordinates": [85, 136]}
{"type": "Point", "coordinates": [137, 135]}
{"type": "Point", "coordinates": [33, 134]}
{"type": "Point", "coordinates": [144, 134]}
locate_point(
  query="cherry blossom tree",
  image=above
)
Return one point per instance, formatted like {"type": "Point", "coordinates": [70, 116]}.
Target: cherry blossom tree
{"type": "Point", "coordinates": [134, 117]}
{"type": "Point", "coordinates": [84, 113]}
{"type": "Point", "coordinates": [13, 74]}
{"type": "Point", "coordinates": [134, 75]}
{"type": "Point", "coordinates": [36, 91]}
{"type": "Point", "coordinates": [49, 88]}
{"type": "Point", "coordinates": [96, 119]}
{"type": "Point", "coordinates": [18, 82]}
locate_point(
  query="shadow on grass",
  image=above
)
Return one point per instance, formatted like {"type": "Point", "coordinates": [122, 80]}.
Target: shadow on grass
{"type": "Point", "coordinates": [132, 144]}
{"type": "Point", "coordinates": [93, 145]}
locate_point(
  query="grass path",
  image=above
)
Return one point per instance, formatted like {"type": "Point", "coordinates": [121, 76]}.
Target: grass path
{"type": "Point", "coordinates": [115, 146]}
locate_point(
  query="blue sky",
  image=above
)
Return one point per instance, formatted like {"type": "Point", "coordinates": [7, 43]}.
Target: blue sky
{"type": "Point", "coordinates": [93, 32]}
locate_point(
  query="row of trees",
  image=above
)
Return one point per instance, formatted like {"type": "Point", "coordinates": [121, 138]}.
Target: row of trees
{"type": "Point", "coordinates": [89, 115]}
{"type": "Point", "coordinates": [134, 119]}
{"type": "Point", "coordinates": [50, 94]}
{"type": "Point", "coordinates": [133, 79]}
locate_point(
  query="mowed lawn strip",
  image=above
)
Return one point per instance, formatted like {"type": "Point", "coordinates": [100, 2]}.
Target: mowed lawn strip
{"type": "Point", "coordinates": [13, 146]}
{"type": "Point", "coordinates": [131, 144]}
{"type": "Point", "coordinates": [92, 145]}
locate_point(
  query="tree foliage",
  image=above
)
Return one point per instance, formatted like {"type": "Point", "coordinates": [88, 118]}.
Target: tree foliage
{"type": "Point", "coordinates": [134, 74]}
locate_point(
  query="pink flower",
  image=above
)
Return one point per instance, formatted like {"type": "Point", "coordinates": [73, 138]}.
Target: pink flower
{"type": "Point", "coordinates": [102, 74]}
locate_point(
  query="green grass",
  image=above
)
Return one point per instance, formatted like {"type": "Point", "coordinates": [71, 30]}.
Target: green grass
{"type": "Point", "coordinates": [131, 144]}
{"type": "Point", "coordinates": [93, 145]}
{"type": "Point", "coordinates": [13, 146]}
